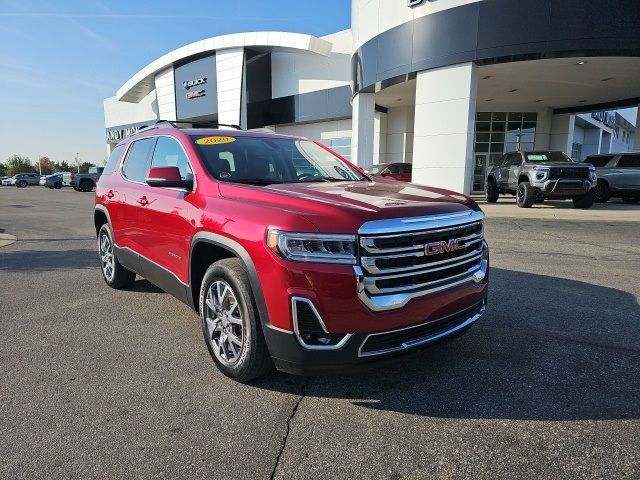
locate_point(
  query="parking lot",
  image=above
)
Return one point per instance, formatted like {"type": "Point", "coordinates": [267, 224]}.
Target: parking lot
{"type": "Point", "coordinates": [99, 383]}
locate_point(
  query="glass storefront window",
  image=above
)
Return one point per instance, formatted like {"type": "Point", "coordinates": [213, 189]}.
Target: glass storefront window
{"type": "Point", "coordinates": [497, 133]}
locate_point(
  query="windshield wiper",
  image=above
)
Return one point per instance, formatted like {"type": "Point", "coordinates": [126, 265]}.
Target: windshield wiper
{"type": "Point", "coordinates": [326, 179]}
{"type": "Point", "coordinates": [256, 181]}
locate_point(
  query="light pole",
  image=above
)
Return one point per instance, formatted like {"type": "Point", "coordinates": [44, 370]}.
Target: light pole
{"type": "Point", "coordinates": [77, 162]}
{"type": "Point", "coordinates": [39, 165]}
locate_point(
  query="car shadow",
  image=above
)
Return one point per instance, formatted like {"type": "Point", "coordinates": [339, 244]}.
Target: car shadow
{"type": "Point", "coordinates": [547, 349]}
{"type": "Point", "coordinates": [46, 260]}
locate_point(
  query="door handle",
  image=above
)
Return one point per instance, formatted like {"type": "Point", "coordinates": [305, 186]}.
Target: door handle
{"type": "Point", "coordinates": [143, 201]}
{"type": "Point", "coordinates": [110, 194]}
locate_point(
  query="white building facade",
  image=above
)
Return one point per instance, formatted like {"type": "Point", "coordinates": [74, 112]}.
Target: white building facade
{"type": "Point", "coordinates": [449, 85]}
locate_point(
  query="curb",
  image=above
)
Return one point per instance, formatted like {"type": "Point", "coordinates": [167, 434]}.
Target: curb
{"type": "Point", "coordinates": [6, 239]}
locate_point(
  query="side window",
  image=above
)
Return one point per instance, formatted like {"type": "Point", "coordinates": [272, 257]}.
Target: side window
{"type": "Point", "coordinates": [169, 153]}
{"type": "Point", "coordinates": [406, 168]}
{"type": "Point", "coordinates": [505, 160]}
{"type": "Point", "coordinates": [629, 161]}
{"type": "Point", "coordinates": [598, 161]}
{"type": "Point", "coordinates": [515, 159]}
{"type": "Point", "coordinates": [137, 160]}
{"type": "Point", "coordinates": [394, 168]}
{"type": "Point", "coordinates": [113, 160]}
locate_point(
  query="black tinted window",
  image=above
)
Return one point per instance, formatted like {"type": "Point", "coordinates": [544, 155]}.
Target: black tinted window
{"type": "Point", "coordinates": [137, 159]}
{"type": "Point", "coordinates": [406, 168]}
{"type": "Point", "coordinates": [394, 168]}
{"type": "Point", "coordinates": [629, 161]}
{"type": "Point", "coordinates": [515, 159]}
{"type": "Point", "coordinates": [169, 153]}
{"type": "Point", "coordinates": [113, 160]}
{"type": "Point", "coordinates": [599, 161]}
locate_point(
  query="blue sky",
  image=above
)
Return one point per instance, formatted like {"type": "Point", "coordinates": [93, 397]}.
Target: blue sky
{"type": "Point", "coordinates": [60, 59]}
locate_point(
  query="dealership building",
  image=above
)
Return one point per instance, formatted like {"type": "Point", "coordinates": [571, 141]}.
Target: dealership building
{"type": "Point", "coordinates": [449, 85]}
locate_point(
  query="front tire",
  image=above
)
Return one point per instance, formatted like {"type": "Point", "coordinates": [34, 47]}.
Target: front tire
{"type": "Point", "coordinates": [585, 201]}
{"type": "Point", "coordinates": [57, 185]}
{"type": "Point", "coordinates": [492, 191]}
{"type": "Point", "coordinates": [21, 184]}
{"type": "Point", "coordinates": [525, 195]}
{"type": "Point", "coordinates": [113, 273]}
{"type": "Point", "coordinates": [230, 322]}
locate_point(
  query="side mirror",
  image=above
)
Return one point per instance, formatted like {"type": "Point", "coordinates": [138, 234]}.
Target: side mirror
{"type": "Point", "coordinates": [167, 177]}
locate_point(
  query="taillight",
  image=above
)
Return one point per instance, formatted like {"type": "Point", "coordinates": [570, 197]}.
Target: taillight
{"type": "Point", "coordinates": [73, 176]}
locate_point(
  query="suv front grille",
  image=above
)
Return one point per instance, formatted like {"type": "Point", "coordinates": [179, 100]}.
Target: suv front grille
{"type": "Point", "coordinates": [568, 172]}
{"type": "Point", "coordinates": [420, 260]}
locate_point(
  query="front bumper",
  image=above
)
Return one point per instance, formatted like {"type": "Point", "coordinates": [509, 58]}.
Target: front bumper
{"type": "Point", "coordinates": [564, 187]}
{"type": "Point", "coordinates": [367, 349]}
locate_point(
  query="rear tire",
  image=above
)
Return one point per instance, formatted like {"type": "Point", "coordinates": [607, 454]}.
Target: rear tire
{"type": "Point", "coordinates": [602, 192]}
{"type": "Point", "coordinates": [77, 189]}
{"type": "Point", "coordinates": [525, 195]}
{"type": "Point", "coordinates": [492, 191]}
{"type": "Point", "coordinates": [228, 311]}
{"type": "Point", "coordinates": [86, 185]}
{"type": "Point", "coordinates": [113, 273]}
{"type": "Point", "coordinates": [585, 201]}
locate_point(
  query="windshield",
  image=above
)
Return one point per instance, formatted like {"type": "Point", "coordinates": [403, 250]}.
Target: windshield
{"type": "Point", "coordinates": [533, 157]}
{"type": "Point", "coordinates": [263, 161]}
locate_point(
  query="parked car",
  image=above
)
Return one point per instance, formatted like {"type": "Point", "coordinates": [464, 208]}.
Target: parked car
{"type": "Point", "coordinates": [21, 180]}
{"type": "Point", "coordinates": [308, 272]}
{"type": "Point", "coordinates": [397, 171]}
{"type": "Point", "coordinates": [85, 182]}
{"type": "Point", "coordinates": [618, 176]}
{"type": "Point", "coordinates": [539, 175]}
{"type": "Point", "coordinates": [5, 181]}
{"type": "Point", "coordinates": [57, 180]}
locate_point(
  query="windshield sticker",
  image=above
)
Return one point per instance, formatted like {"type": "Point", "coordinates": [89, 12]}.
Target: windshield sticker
{"type": "Point", "coordinates": [214, 140]}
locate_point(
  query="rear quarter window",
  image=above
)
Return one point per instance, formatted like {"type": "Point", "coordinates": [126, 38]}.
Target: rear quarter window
{"type": "Point", "coordinates": [599, 162]}
{"type": "Point", "coordinates": [629, 161]}
{"type": "Point", "coordinates": [113, 160]}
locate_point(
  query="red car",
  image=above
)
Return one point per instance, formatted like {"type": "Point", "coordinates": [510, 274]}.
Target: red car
{"type": "Point", "coordinates": [292, 256]}
{"type": "Point", "coordinates": [397, 171]}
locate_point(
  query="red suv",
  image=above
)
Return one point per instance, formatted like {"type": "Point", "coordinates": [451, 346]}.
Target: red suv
{"type": "Point", "coordinates": [290, 254]}
{"type": "Point", "coordinates": [397, 171]}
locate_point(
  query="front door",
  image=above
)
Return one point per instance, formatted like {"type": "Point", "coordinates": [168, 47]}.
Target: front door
{"type": "Point", "coordinates": [479, 172]}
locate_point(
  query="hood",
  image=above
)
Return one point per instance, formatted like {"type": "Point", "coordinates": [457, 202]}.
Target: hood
{"type": "Point", "coordinates": [343, 206]}
{"type": "Point", "coordinates": [560, 164]}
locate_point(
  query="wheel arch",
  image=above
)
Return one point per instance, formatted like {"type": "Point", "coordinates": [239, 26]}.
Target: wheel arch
{"type": "Point", "coordinates": [216, 247]}
{"type": "Point", "coordinates": [100, 217]}
{"type": "Point", "coordinates": [523, 178]}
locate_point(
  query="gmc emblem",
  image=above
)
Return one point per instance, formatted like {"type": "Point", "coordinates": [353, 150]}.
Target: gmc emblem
{"type": "Point", "coordinates": [435, 248]}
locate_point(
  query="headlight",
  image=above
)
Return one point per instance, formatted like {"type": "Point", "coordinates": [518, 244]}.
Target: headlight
{"type": "Point", "coordinates": [541, 172]}
{"type": "Point", "coordinates": [313, 247]}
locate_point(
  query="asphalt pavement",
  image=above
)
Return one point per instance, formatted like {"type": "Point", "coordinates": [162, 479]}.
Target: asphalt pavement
{"type": "Point", "coordinates": [97, 383]}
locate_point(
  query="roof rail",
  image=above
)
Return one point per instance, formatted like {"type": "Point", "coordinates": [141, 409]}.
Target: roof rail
{"type": "Point", "coordinates": [174, 124]}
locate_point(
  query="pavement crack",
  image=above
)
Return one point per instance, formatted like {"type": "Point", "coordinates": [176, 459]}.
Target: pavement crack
{"type": "Point", "coordinates": [283, 444]}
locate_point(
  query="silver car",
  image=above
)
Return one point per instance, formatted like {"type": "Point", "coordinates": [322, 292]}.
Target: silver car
{"type": "Point", "coordinates": [618, 176]}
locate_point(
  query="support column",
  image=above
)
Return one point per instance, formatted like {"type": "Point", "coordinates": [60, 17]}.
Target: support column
{"type": "Point", "coordinates": [444, 127]}
{"type": "Point", "coordinates": [636, 134]}
{"type": "Point", "coordinates": [363, 123]}
{"type": "Point", "coordinates": [229, 74]}
{"type": "Point", "coordinates": [562, 127]}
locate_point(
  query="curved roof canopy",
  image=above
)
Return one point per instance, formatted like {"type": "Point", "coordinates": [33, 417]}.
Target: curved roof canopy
{"type": "Point", "coordinates": [142, 83]}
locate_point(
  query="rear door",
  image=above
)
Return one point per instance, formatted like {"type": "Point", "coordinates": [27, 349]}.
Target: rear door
{"type": "Point", "coordinates": [167, 221]}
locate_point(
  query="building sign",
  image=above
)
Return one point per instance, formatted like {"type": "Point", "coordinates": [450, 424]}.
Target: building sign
{"type": "Point", "coordinates": [192, 83]}
{"type": "Point", "coordinates": [608, 118]}
{"type": "Point", "coordinates": [115, 134]}
{"type": "Point", "coordinates": [415, 3]}
{"type": "Point", "coordinates": [195, 94]}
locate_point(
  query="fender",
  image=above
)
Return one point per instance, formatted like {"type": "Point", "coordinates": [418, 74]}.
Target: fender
{"type": "Point", "coordinates": [240, 252]}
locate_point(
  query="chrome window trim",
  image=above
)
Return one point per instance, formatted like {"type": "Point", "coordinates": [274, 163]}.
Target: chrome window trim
{"type": "Point", "coordinates": [420, 341]}
{"type": "Point", "coordinates": [294, 314]}
{"type": "Point", "coordinates": [124, 157]}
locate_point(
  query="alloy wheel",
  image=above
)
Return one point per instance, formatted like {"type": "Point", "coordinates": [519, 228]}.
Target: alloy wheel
{"type": "Point", "coordinates": [106, 257]}
{"type": "Point", "coordinates": [224, 323]}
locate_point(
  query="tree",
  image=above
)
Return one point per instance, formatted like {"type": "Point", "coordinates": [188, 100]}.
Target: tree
{"type": "Point", "coordinates": [84, 167]}
{"type": "Point", "coordinates": [18, 164]}
{"type": "Point", "coordinates": [3, 170]}
{"type": "Point", "coordinates": [47, 166]}
{"type": "Point", "coordinates": [64, 166]}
